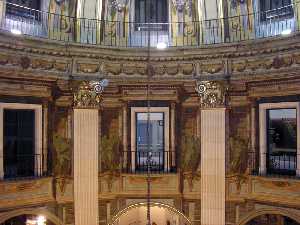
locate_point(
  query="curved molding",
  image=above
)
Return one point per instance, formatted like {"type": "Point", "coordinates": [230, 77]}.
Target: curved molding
{"type": "Point", "coordinates": [137, 205]}
{"type": "Point", "coordinates": [30, 211]}
{"type": "Point", "coordinates": [263, 211]}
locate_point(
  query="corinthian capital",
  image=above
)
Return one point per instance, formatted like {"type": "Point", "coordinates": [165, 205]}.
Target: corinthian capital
{"type": "Point", "coordinates": [89, 94]}
{"type": "Point", "coordinates": [211, 93]}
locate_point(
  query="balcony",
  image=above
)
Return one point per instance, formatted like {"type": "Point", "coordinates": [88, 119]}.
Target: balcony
{"type": "Point", "coordinates": [278, 165]}
{"type": "Point", "coordinates": [23, 166]}
{"type": "Point", "coordinates": [136, 162]}
{"type": "Point", "coordinates": [126, 34]}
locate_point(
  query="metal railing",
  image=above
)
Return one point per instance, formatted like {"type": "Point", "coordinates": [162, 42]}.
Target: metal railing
{"type": "Point", "coordinates": [119, 34]}
{"type": "Point", "coordinates": [284, 164]}
{"type": "Point", "coordinates": [136, 162]}
{"type": "Point", "coordinates": [23, 166]}
{"type": "Point", "coordinates": [277, 165]}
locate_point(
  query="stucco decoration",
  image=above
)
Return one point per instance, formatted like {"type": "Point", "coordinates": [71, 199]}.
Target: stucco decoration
{"type": "Point", "coordinates": [88, 94]}
{"type": "Point", "coordinates": [211, 93]}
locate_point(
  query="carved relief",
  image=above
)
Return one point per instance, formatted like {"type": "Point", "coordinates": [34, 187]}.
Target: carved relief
{"type": "Point", "coordinates": [61, 66]}
{"type": "Point", "coordinates": [211, 93]}
{"type": "Point", "coordinates": [87, 68]}
{"type": "Point", "coordinates": [88, 94]}
{"type": "Point", "coordinates": [112, 68]}
{"type": "Point", "coordinates": [187, 68]}
{"type": "Point", "coordinates": [265, 63]}
{"type": "Point", "coordinates": [212, 67]}
{"type": "Point", "coordinates": [172, 69]}
{"type": "Point", "coordinates": [42, 64]}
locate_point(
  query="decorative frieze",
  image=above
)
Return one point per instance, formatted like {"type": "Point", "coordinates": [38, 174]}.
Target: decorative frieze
{"type": "Point", "coordinates": [211, 93]}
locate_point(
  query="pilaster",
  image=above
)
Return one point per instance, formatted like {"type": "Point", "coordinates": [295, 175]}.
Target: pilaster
{"type": "Point", "coordinates": [213, 143]}
{"type": "Point", "coordinates": [86, 158]}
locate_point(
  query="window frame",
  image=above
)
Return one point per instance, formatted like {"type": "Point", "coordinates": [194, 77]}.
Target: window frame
{"type": "Point", "coordinates": [153, 26]}
{"type": "Point", "coordinates": [263, 139]}
{"type": "Point", "coordinates": [38, 126]}
{"type": "Point", "coordinates": [263, 12]}
{"type": "Point", "coordinates": [166, 112]}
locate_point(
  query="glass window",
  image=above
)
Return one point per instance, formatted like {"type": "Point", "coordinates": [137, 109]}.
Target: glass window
{"type": "Point", "coordinates": [151, 133]}
{"type": "Point", "coordinates": [282, 140]}
{"type": "Point", "coordinates": [154, 11]}
{"type": "Point", "coordinates": [19, 135]}
{"type": "Point", "coordinates": [273, 9]}
{"type": "Point", "coordinates": [23, 8]}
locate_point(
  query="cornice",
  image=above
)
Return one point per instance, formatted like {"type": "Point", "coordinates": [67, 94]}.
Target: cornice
{"type": "Point", "coordinates": [26, 57]}
{"type": "Point", "coordinates": [217, 51]}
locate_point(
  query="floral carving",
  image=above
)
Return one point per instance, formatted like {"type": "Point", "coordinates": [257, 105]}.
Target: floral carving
{"type": "Point", "coordinates": [88, 95]}
{"type": "Point", "coordinates": [211, 93]}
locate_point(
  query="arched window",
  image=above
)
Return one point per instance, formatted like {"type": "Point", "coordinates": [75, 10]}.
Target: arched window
{"type": "Point", "coordinates": [151, 14]}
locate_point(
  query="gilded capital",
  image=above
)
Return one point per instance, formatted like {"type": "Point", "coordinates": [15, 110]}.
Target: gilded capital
{"type": "Point", "coordinates": [211, 93]}
{"type": "Point", "coordinates": [89, 94]}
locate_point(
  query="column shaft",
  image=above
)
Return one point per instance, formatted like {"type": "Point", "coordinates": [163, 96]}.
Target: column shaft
{"type": "Point", "coordinates": [213, 166]}
{"type": "Point", "coordinates": [86, 166]}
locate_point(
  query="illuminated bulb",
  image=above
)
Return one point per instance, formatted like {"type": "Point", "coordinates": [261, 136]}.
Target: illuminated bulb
{"type": "Point", "coordinates": [161, 45]}
{"type": "Point", "coordinates": [16, 32]}
{"type": "Point", "coordinates": [286, 32]}
{"type": "Point", "coordinates": [41, 220]}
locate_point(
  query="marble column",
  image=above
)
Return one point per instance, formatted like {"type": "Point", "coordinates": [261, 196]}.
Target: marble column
{"type": "Point", "coordinates": [213, 143]}
{"type": "Point", "coordinates": [86, 143]}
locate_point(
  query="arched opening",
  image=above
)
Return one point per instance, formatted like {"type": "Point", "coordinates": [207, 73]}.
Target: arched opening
{"type": "Point", "coordinates": [30, 216]}
{"type": "Point", "coordinates": [272, 219]}
{"type": "Point", "coordinates": [271, 216]}
{"type": "Point", "coordinates": [161, 214]}
{"type": "Point", "coordinates": [28, 219]}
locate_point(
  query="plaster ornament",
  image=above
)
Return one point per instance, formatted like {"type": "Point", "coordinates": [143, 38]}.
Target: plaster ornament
{"type": "Point", "coordinates": [211, 93]}
{"type": "Point", "coordinates": [89, 94]}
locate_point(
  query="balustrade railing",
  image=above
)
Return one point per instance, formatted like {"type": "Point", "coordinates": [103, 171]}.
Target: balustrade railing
{"type": "Point", "coordinates": [23, 166]}
{"type": "Point", "coordinates": [282, 164]}
{"type": "Point", "coordinates": [21, 20]}
{"type": "Point", "coordinates": [160, 162]}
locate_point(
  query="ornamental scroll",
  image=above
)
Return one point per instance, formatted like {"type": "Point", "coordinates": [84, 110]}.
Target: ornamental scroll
{"type": "Point", "coordinates": [211, 93]}
{"type": "Point", "coordinates": [89, 94]}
